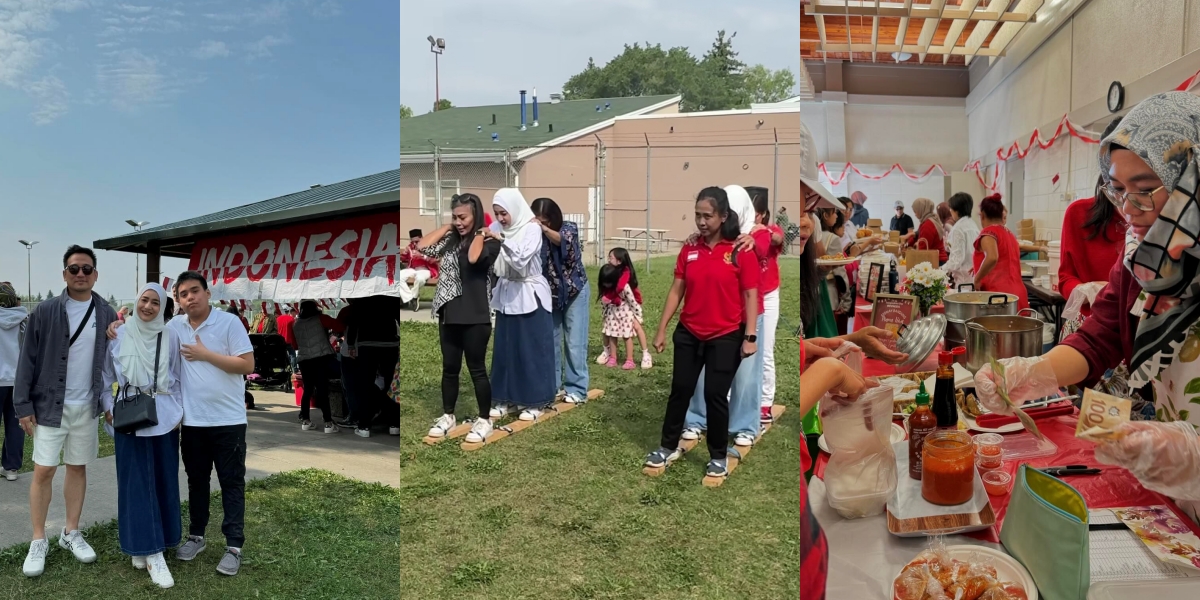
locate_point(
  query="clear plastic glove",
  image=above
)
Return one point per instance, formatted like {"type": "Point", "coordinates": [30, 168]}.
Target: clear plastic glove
{"type": "Point", "coordinates": [1027, 378]}
{"type": "Point", "coordinates": [1165, 457]}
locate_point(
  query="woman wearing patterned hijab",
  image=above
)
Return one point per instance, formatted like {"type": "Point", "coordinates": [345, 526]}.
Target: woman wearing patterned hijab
{"type": "Point", "coordinates": [1152, 166]}
{"type": "Point", "coordinates": [13, 317]}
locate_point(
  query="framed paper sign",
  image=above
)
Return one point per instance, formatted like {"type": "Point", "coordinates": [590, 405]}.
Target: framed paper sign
{"type": "Point", "coordinates": [874, 280]}
{"type": "Point", "coordinates": [894, 313]}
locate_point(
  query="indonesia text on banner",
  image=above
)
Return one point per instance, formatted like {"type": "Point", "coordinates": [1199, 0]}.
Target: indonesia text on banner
{"type": "Point", "coordinates": [346, 258]}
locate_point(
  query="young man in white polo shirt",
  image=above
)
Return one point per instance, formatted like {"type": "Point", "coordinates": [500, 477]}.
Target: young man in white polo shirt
{"type": "Point", "coordinates": [217, 353]}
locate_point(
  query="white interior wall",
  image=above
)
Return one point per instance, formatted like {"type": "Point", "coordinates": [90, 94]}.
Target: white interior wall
{"type": "Point", "coordinates": [1069, 71]}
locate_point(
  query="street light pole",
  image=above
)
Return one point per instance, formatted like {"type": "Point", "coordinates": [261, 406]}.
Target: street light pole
{"type": "Point", "coordinates": [137, 257]}
{"type": "Point", "coordinates": [436, 46]}
{"type": "Point", "coordinates": [28, 268]}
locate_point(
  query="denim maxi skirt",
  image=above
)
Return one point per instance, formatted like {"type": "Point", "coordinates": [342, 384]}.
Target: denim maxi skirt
{"type": "Point", "coordinates": [148, 518]}
{"type": "Point", "coordinates": [523, 359]}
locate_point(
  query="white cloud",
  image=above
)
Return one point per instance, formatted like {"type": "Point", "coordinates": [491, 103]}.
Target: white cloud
{"type": "Point", "coordinates": [135, 80]}
{"type": "Point", "coordinates": [268, 13]}
{"type": "Point", "coordinates": [327, 9]}
{"type": "Point", "coordinates": [262, 48]}
{"type": "Point", "coordinates": [211, 49]}
{"type": "Point", "coordinates": [129, 8]}
{"type": "Point", "coordinates": [51, 96]}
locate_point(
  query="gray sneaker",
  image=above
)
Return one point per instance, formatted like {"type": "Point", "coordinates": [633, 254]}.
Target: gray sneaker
{"type": "Point", "coordinates": [231, 563]}
{"type": "Point", "coordinates": [193, 546]}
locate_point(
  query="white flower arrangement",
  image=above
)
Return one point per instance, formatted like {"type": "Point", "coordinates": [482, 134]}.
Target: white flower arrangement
{"type": "Point", "coordinates": [926, 283]}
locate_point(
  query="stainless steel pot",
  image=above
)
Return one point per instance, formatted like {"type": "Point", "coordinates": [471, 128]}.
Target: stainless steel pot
{"type": "Point", "coordinates": [1002, 337]}
{"type": "Point", "coordinates": [964, 306]}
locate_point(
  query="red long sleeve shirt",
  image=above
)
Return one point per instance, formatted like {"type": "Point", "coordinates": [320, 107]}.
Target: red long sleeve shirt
{"type": "Point", "coordinates": [1085, 260]}
{"type": "Point", "coordinates": [1110, 313]}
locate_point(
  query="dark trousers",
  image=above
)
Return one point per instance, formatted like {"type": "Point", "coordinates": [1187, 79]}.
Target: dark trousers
{"type": "Point", "coordinates": [471, 341]}
{"type": "Point", "coordinates": [370, 365]}
{"type": "Point", "coordinates": [316, 387]}
{"type": "Point", "coordinates": [224, 448]}
{"type": "Point", "coordinates": [719, 358]}
{"type": "Point", "coordinates": [148, 519]}
{"type": "Point", "coordinates": [346, 364]}
{"type": "Point", "coordinates": [14, 436]}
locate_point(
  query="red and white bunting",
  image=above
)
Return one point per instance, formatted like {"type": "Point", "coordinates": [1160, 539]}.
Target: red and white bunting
{"type": "Point", "coordinates": [896, 167]}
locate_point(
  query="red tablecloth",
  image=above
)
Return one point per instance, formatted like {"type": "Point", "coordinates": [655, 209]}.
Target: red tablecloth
{"type": "Point", "coordinates": [862, 314]}
{"type": "Point", "coordinates": [1113, 487]}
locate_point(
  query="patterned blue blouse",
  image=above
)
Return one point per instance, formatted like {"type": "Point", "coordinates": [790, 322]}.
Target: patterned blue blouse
{"type": "Point", "coordinates": [564, 265]}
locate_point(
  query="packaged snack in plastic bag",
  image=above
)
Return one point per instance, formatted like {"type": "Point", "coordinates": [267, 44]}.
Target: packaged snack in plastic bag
{"type": "Point", "coordinates": [935, 575]}
{"type": "Point", "coordinates": [861, 474]}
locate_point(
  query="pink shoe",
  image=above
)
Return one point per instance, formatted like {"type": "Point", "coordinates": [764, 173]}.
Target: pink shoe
{"type": "Point", "coordinates": [629, 366]}
{"type": "Point", "coordinates": [612, 362]}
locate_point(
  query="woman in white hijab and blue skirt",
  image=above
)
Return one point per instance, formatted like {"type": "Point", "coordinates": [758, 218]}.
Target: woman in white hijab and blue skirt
{"type": "Point", "coordinates": [148, 517]}
{"type": "Point", "coordinates": [746, 393]}
{"type": "Point", "coordinates": [523, 351]}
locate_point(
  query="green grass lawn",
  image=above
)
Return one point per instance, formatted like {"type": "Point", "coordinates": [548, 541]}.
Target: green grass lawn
{"type": "Point", "coordinates": [562, 510]}
{"type": "Point", "coordinates": [310, 534]}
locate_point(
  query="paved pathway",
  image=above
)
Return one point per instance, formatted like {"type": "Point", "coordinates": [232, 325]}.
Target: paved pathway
{"type": "Point", "coordinates": [274, 443]}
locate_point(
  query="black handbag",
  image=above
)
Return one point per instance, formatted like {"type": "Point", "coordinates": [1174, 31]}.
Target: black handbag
{"type": "Point", "coordinates": [139, 411]}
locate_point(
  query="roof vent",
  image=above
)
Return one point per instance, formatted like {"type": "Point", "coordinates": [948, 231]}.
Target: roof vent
{"type": "Point", "coordinates": [313, 187]}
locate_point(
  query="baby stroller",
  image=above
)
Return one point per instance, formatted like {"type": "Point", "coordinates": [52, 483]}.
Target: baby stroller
{"type": "Point", "coordinates": [272, 366]}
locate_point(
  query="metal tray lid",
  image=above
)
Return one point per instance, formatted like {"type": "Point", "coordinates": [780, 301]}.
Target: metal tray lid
{"type": "Point", "coordinates": [919, 339]}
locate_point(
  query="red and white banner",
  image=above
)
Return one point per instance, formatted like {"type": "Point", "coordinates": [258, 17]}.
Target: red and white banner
{"type": "Point", "coordinates": [345, 258]}
{"type": "Point", "coordinates": [896, 167]}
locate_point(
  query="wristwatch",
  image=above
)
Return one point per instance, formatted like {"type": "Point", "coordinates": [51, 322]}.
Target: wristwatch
{"type": "Point", "coordinates": [751, 338]}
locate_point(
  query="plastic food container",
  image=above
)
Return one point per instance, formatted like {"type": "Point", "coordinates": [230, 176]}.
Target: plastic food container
{"type": "Point", "coordinates": [988, 451]}
{"type": "Point", "coordinates": [997, 483]}
{"type": "Point", "coordinates": [859, 506]}
{"type": "Point", "coordinates": [984, 467]}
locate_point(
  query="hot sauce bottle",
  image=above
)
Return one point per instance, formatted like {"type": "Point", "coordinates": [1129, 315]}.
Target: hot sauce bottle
{"type": "Point", "coordinates": [921, 423]}
{"type": "Point", "coordinates": [945, 408]}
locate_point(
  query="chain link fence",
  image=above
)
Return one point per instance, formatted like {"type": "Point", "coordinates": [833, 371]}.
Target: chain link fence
{"type": "Point", "coordinates": [637, 196]}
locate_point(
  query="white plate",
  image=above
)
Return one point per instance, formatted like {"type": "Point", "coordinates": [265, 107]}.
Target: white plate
{"type": "Point", "coordinates": [898, 434]}
{"type": "Point", "coordinates": [1007, 567]}
{"type": "Point", "coordinates": [825, 262]}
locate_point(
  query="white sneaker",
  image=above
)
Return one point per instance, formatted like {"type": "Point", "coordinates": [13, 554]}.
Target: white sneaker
{"type": "Point", "coordinates": [480, 431]}
{"type": "Point", "coordinates": [139, 562]}
{"type": "Point", "coordinates": [647, 362]}
{"type": "Point", "coordinates": [78, 546]}
{"type": "Point", "coordinates": [531, 414]}
{"type": "Point", "coordinates": [331, 427]}
{"type": "Point", "coordinates": [9, 474]}
{"type": "Point", "coordinates": [743, 440]}
{"type": "Point", "coordinates": [35, 561]}
{"type": "Point", "coordinates": [442, 426]}
{"type": "Point", "coordinates": [362, 433]}
{"type": "Point", "coordinates": [573, 399]}
{"type": "Point", "coordinates": [498, 410]}
{"type": "Point", "coordinates": [691, 433]}
{"type": "Point", "coordinates": [393, 431]}
{"type": "Point", "coordinates": [159, 573]}
{"type": "Point", "coordinates": [305, 425]}
{"type": "Point", "coordinates": [603, 358]}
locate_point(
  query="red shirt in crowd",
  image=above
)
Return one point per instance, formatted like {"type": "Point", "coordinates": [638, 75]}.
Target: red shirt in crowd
{"type": "Point", "coordinates": [284, 324]}
{"type": "Point", "coordinates": [713, 286]}
{"type": "Point", "coordinates": [770, 265]}
{"type": "Point", "coordinates": [932, 234]}
{"type": "Point", "coordinates": [814, 550]}
{"type": "Point", "coordinates": [1084, 260]}
{"type": "Point", "coordinates": [416, 260]}
{"type": "Point", "coordinates": [1005, 276]}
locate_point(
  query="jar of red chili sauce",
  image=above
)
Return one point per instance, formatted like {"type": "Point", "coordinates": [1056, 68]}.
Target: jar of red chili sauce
{"type": "Point", "coordinates": [948, 468]}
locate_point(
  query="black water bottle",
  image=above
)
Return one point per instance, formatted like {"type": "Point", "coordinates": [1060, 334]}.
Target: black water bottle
{"type": "Point", "coordinates": [893, 279]}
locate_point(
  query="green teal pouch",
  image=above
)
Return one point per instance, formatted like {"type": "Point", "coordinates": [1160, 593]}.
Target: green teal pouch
{"type": "Point", "coordinates": [1046, 528]}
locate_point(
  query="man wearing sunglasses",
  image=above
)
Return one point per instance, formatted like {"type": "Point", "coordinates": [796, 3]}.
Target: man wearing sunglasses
{"type": "Point", "coordinates": [57, 398]}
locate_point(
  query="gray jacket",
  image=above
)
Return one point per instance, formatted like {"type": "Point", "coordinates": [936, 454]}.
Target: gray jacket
{"type": "Point", "coordinates": [41, 384]}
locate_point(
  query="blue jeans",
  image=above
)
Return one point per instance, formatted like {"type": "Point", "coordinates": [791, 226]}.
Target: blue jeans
{"type": "Point", "coordinates": [744, 397]}
{"type": "Point", "coordinates": [572, 324]}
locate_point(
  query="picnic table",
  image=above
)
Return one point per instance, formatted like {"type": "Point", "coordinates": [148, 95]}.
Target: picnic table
{"type": "Point", "coordinates": [651, 237]}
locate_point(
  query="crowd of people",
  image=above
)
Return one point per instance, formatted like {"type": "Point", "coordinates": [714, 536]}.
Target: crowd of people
{"type": "Point", "coordinates": [1134, 245]}
{"type": "Point", "coordinates": [527, 272]}
{"type": "Point", "coordinates": [168, 387]}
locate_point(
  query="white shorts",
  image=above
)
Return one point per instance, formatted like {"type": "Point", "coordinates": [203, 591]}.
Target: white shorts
{"type": "Point", "coordinates": [77, 438]}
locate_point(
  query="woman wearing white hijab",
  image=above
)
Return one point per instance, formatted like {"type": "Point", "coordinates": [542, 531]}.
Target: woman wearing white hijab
{"type": "Point", "coordinates": [148, 517]}
{"type": "Point", "coordinates": [523, 350]}
{"type": "Point", "coordinates": [746, 393]}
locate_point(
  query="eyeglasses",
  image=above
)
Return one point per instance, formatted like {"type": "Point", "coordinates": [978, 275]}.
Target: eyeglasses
{"type": "Point", "coordinates": [1118, 197]}
{"type": "Point", "coordinates": [75, 269]}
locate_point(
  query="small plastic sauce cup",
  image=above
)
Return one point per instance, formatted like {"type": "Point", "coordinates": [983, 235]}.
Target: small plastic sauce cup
{"type": "Point", "coordinates": [996, 482]}
{"type": "Point", "coordinates": [988, 451]}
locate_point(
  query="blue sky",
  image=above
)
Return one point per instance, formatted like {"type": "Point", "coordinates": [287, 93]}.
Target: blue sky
{"type": "Point", "coordinates": [495, 49]}
{"type": "Point", "coordinates": [163, 110]}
